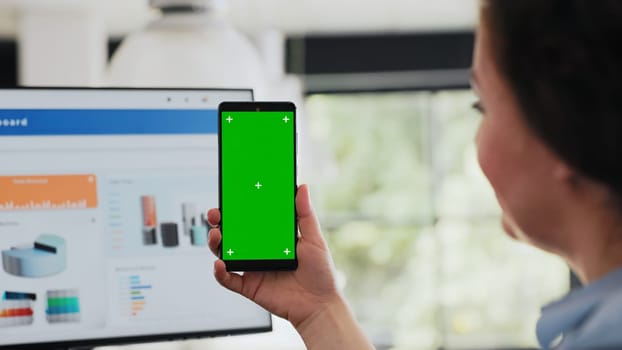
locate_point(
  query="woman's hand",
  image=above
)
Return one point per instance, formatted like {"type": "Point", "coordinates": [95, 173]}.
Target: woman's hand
{"type": "Point", "coordinates": [308, 297]}
{"type": "Point", "coordinates": [294, 295]}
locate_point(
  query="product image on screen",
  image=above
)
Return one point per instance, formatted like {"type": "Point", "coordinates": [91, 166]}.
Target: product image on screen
{"type": "Point", "coordinates": [16, 309]}
{"type": "Point", "coordinates": [46, 257]}
{"type": "Point", "coordinates": [258, 181]}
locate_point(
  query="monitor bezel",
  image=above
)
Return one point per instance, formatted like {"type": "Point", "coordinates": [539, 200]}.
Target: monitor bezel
{"type": "Point", "coordinates": [107, 341]}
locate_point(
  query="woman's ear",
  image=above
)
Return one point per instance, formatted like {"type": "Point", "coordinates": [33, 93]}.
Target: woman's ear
{"type": "Point", "coordinates": [563, 172]}
{"type": "Point", "coordinates": [568, 176]}
{"type": "Point", "coordinates": [578, 184]}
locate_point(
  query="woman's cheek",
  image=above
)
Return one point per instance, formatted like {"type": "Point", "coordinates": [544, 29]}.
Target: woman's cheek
{"type": "Point", "coordinates": [486, 153]}
{"type": "Point", "coordinates": [490, 158]}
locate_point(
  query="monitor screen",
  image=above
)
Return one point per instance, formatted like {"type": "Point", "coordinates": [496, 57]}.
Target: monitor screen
{"type": "Point", "coordinates": [103, 237]}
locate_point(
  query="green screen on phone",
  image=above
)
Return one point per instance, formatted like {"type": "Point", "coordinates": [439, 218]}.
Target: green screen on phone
{"type": "Point", "coordinates": [258, 183]}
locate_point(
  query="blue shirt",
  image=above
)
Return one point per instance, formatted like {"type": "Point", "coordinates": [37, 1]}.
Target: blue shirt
{"type": "Point", "coordinates": [587, 318]}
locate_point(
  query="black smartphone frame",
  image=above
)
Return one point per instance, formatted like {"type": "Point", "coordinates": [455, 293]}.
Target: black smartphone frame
{"type": "Point", "coordinates": [258, 265]}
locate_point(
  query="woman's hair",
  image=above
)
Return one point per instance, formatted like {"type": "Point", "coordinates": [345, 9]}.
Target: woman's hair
{"type": "Point", "coordinates": [563, 61]}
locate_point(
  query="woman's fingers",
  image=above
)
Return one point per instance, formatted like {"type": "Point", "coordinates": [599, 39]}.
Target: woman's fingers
{"type": "Point", "coordinates": [231, 281]}
{"type": "Point", "coordinates": [228, 280]}
{"type": "Point", "coordinates": [213, 241]}
{"type": "Point", "coordinates": [213, 217]}
{"type": "Point", "coordinates": [214, 237]}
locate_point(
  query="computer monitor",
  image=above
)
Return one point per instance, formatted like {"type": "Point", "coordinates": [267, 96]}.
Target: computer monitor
{"type": "Point", "coordinates": [103, 235]}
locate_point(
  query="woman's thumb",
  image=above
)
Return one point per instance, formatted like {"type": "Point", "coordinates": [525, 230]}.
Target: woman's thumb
{"type": "Point", "coordinates": [307, 221]}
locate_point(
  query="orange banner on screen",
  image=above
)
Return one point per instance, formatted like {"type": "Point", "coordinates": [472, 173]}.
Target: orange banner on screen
{"type": "Point", "coordinates": [48, 192]}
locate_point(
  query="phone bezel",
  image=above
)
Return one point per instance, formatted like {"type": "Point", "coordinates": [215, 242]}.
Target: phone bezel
{"type": "Point", "coordinates": [258, 265]}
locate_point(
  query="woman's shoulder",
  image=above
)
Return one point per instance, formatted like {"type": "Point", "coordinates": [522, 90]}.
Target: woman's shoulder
{"type": "Point", "coordinates": [590, 317]}
{"type": "Point", "coordinates": [602, 328]}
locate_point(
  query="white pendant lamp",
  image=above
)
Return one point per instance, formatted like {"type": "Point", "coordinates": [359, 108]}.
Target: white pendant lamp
{"type": "Point", "coordinates": [192, 45]}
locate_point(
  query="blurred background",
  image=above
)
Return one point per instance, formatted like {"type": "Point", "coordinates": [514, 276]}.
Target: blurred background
{"type": "Point", "coordinates": [387, 144]}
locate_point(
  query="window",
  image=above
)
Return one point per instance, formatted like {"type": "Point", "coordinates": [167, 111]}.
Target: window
{"type": "Point", "coordinates": [414, 227]}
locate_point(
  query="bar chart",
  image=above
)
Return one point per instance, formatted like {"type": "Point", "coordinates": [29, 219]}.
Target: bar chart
{"type": "Point", "coordinates": [134, 295]}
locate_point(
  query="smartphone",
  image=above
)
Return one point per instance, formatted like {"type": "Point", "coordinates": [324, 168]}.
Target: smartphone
{"type": "Point", "coordinates": [257, 183]}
